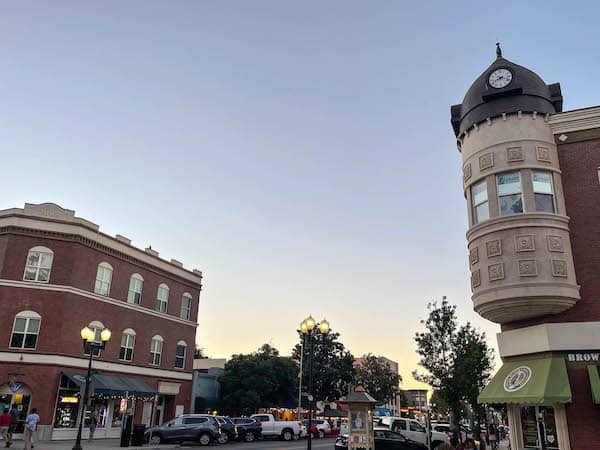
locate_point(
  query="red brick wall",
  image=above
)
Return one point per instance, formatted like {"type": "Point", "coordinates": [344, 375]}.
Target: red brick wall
{"type": "Point", "coordinates": [583, 416]}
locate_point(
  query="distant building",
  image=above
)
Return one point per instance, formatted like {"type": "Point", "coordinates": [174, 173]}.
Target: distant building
{"type": "Point", "coordinates": [58, 274]}
{"type": "Point", "coordinates": [392, 404]}
{"type": "Point", "coordinates": [206, 389]}
{"type": "Point", "coordinates": [414, 402]}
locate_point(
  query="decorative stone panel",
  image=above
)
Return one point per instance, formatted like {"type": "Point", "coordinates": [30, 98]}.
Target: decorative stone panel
{"type": "Point", "coordinates": [555, 244]}
{"type": "Point", "coordinates": [559, 268]}
{"type": "Point", "coordinates": [514, 154]}
{"type": "Point", "coordinates": [527, 268]}
{"type": "Point", "coordinates": [493, 248]}
{"type": "Point", "coordinates": [475, 279]}
{"type": "Point", "coordinates": [486, 161]}
{"type": "Point", "coordinates": [467, 172]}
{"type": "Point", "coordinates": [496, 271]}
{"type": "Point", "coordinates": [474, 255]}
{"type": "Point", "coordinates": [524, 243]}
{"type": "Point", "coordinates": [543, 154]}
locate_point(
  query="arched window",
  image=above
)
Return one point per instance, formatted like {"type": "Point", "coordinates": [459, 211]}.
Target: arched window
{"type": "Point", "coordinates": [136, 282]}
{"type": "Point", "coordinates": [103, 279]}
{"type": "Point", "coordinates": [162, 298]}
{"type": "Point", "coordinates": [127, 344]}
{"type": "Point", "coordinates": [156, 346]}
{"type": "Point", "coordinates": [186, 306]}
{"type": "Point", "coordinates": [180, 352]}
{"type": "Point", "coordinates": [26, 329]}
{"type": "Point", "coordinates": [38, 265]}
{"type": "Point", "coordinates": [97, 328]}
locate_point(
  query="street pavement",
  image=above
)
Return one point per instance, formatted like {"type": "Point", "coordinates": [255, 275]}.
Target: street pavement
{"type": "Point", "coordinates": [111, 444]}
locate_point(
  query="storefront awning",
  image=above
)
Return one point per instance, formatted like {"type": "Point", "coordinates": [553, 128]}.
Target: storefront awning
{"type": "Point", "coordinates": [532, 381]}
{"type": "Point", "coordinates": [112, 385]}
{"type": "Point", "coordinates": [594, 383]}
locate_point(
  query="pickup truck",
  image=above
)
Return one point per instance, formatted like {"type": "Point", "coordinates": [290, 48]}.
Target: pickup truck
{"type": "Point", "coordinates": [286, 430]}
{"type": "Point", "coordinates": [412, 429]}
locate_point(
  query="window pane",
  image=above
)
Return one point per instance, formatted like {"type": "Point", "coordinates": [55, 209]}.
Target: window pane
{"type": "Point", "coordinates": [544, 202]}
{"type": "Point", "coordinates": [122, 353]}
{"type": "Point", "coordinates": [509, 183]}
{"type": "Point", "coordinates": [30, 273]}
{"type": "Point", "coordinates": [542, 182]}
{"type": "Point", "coordinates": [17, 340]}
{"type": "Point", "coordinates": [180, 351]}
{"type": "Point", "coordinates": [482, 212]}
{"type": "Point", "coordinates": [20, 323]}
{"type": "Point", "coordinates": [43, 275]}
{"type": "Point", "coordinates": [46, 260]}
{"type": "Point", "coordinates": [479, 192]}
{"type": "Point", "coordinates": [30, 340]}
{"type": "Point", "coordinates": [34, 326]}
{"type": "Point", "coordinates": [511, 204]}
{"type": "Point", "coordinates": [33, 259]}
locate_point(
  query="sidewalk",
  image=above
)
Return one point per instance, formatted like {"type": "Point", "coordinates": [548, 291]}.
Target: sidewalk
{"type": "Point", "coordinates": [99, 444]}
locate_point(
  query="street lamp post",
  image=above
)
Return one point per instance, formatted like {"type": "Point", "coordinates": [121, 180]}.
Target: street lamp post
{"type": "Point", "coordinates": [310, 328]}
{"type": "Point", "coordinates": [89, 345]}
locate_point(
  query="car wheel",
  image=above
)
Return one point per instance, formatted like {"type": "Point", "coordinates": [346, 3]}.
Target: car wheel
{"type": "Point", "coordinates": [224, 438]}
{"type": "Point", "coordinates": [156, 439]}
{"type": "Point", "coordinates": [249, 437]}
{"type": "Point", "coordinates": [287, 435]}
{"type": "Point", "coordinates": [437, 445]}
{"type": "Point", "coordinates": [204, 439]}
{"type": "Point", "coordinates": [321, 434]}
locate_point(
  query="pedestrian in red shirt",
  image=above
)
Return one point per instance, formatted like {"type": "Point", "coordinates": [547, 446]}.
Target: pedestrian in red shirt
{"type": "Point", "coordinates": [5, 422]}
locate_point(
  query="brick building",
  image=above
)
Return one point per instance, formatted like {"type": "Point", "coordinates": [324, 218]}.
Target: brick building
{"type": "Point", "coordinates": [531, 178]}
{"type": "Point", "coordinates": [58, 274]}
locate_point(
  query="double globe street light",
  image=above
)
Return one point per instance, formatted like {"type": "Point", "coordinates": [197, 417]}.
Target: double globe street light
{"type": "Point", "coordinates": [90, 345]}
{"type": "Point", "coordinates": [310, 329]}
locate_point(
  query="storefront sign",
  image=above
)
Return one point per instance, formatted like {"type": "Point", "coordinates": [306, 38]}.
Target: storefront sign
{"type": "Point", "coordinates": [123, 405]}
{"type": "Point", "coordinates": [15, 386]}
{"type": "Point", "coordinates": [69, 399]}
{"type": "Point", "coordinates": [584, 357]}
{"type": "Point", "coordinates": [517, 378]}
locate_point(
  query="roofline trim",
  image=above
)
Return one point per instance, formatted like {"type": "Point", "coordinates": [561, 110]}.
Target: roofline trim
{"type": "Point", "coordinates": [575, 120]}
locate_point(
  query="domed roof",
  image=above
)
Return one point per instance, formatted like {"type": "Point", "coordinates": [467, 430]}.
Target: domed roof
{"type": "Point", "coordinates": [524, 91]}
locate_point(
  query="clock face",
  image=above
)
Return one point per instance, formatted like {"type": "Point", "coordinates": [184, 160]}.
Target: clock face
{"type": "Point", "coordinates": [500, 78]}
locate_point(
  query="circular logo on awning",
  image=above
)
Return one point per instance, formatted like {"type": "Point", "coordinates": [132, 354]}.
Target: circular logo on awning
{"type": "Point", "coordinates": [517, 378]}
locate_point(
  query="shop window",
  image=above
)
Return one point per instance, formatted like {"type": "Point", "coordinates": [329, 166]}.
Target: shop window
{"type": "Point", "coordinates": [479, 199]}
{"type": "Point", "coordinates": [26, 329]}
{"type": "Point", "coordinates": [127, 344]}
{"type": "Point", "coordinates": [97, 328]}
{"type": "Point", "coordinates": [180, 355]}
{"type": "Point", "coordinates": [186, 306]}
{"type": "Point", "coordinates": [103, 279]}
{"type": "Point", "coordinates": [538, 427]}
{"type": "Point", "coordinates": [156, 346]}
{"type": "Point", "coordinates": [134, 296]}
{"type": "Point", "coordinates": [510, 197]}
{"type": "Point", "coordinates": [67, 406]}
{"type": "Point", "coordinates": [38, 265]}
{"type": "Point", "coordinates": [543, 191]}
{"type": "Point", "coordinates": [162, 298]}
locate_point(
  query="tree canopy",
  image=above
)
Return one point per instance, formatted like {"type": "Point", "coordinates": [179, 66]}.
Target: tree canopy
{"type": "Point", "coordinates": [376, 376]}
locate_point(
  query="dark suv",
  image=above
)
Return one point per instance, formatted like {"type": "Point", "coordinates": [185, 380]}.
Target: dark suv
{"type": "Point", "coordinates": [228, 428]}
{"type": "Point", "coordinates": [188, 427]}
{"type": "Point", "coordinates": [249, 430]}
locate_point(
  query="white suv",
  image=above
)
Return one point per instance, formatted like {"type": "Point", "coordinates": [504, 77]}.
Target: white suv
{"type": "Point", "coordinates": [412, 429]}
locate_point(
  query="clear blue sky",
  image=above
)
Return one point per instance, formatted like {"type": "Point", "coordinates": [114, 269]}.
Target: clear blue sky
{"type": "Point", "coordinates": [299, 153]}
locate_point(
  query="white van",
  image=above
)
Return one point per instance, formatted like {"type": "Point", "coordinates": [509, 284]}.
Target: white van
{"type": "Point", "coordinates": [412, 429]}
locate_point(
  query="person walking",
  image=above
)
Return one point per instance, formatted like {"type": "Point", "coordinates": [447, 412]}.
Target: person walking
{"type": "Point", "coordinates": [5, 423]}
{"type": "Point", "coordinates": [31, 424]}
{"type": "Point", "coordinates": [493, 437]}
{"type": "Point", "coordinates": [93, 425]}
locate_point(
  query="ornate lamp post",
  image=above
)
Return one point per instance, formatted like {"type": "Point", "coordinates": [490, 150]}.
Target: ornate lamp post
{"type": "Point", "coordinates": [310, 329]}
{"type": "Point", "coordinates": [89, 345]}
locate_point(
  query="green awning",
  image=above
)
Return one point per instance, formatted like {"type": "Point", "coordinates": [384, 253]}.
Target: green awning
{"type": "Point", "coordinates": [532, 381]}
{"type": "Point", "coordinates": [594, 383]}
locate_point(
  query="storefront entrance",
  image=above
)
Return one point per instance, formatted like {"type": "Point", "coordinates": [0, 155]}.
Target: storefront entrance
{"type": "Point", "coordinates": [16, 396]}
{"type": "Point", "coordinates": [538, 426]}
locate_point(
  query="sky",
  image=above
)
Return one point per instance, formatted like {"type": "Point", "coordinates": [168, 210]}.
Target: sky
{"type": "Point", "coordinates": [299, 153]}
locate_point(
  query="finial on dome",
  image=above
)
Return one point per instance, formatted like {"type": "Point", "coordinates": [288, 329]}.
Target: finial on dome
{"type": "Point", "coordinates": [498, 50]}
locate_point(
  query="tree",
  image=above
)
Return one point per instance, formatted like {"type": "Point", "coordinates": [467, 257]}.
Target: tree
{"type": "Point", "coordinates": [262, 379]}
{"type": "Point", "coordinates": [199, 353]}
{"type": "Point", "coordinates": [375, 375]}
{"type": "Point", "coordinates": [333, 367]}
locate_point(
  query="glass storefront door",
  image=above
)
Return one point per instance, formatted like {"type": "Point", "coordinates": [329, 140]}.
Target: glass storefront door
{"type": "Point", "coordinates": [539, 426]}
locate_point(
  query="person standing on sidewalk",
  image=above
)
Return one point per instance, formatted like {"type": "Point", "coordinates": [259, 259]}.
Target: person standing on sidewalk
{"type": "Point", "coordinates": [31, 423]}
{"type": "Point", "coordinates": [93, 425]}
{"type": "Point", "coordinates": [5, 423]}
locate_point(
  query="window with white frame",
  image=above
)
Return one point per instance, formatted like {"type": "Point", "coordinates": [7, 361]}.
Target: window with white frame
{"type": "Point", "coordinates": [162, 298]}
{"type": "Point", "coordinates": [180, 352]}
{"type": "Point", "coordinates": [97, 328]}
{"type": "Point", "coordinates": [103, 279]}
{"type": "Point", "coordinates": [510, 198]}
{"type": "Point", "coordinates": [156, 346]}
{"type": "Point", "coordinates": [127, 344]}
{"type": "Point", "coordinates": [26, 329]}
{"type": "Point", "coordinates": [38, 264]}
{"type": "Point", "coordinates": [479, 200]}
{"type": "Point", "coordinates": [136, 282]}
{"type": "Point", "coordinates": [543, 191]}
{"type": "Point", "coordinates": [186, 306]}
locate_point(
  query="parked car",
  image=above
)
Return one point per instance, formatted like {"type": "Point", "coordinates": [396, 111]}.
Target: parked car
{"type": "Point", "coordinates": [413, 430]}
{"type": "Point", "coordinates": [228, 429]}
{"type": "Point", "coordinates": [249, 430]}
{"type": "Point", "coordinates": [188, 427]}
{"type": "Point", "coordinates": [322, 427]}
{"type": "Point", "coordinates": [444, 427]}
{"type": "Point", "coordinates": [286, 430]}
{"type": "Point", "coordinates": [385, 440]}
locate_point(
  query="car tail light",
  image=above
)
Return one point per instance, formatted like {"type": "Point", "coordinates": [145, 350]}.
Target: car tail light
{"type": "Point", "coordinates": [300, 424]}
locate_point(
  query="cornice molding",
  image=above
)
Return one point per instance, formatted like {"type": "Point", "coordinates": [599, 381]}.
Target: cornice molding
{"type": "Point", "coordinates": [577, 120]}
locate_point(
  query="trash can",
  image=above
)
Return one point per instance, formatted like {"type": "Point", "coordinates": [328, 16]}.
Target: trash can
{"type": "Point", "coordinates": [137, 437]}
{"type": "Point", "coordinates": [126, 430]}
